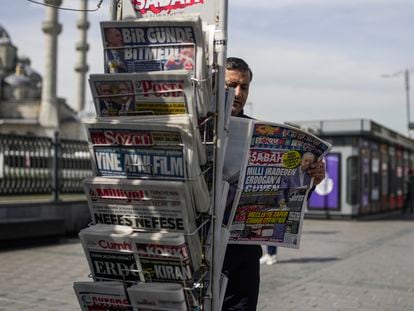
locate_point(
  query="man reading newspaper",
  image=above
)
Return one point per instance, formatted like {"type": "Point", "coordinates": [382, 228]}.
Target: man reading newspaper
{"type": "Point", "coordinates": [241, 262]}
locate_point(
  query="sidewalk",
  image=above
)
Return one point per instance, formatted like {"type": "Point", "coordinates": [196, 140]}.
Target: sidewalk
{"type": "Point", "coordinates": [344, 265]}
{"type": "Point", "coordinates": [341, 265]}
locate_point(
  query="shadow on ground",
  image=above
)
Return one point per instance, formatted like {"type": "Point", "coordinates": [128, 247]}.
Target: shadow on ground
{"type": "Point", "coordinates": [309, 260]}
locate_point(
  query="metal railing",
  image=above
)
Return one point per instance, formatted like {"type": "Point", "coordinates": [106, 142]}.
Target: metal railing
{"type": "Point", "coordinates": [41, 165]}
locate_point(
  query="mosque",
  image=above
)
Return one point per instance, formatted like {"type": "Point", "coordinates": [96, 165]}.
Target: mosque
{"type": "Point", "coordinates": [28, 101]}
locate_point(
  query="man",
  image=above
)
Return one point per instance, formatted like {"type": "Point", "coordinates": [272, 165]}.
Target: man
{"type": "Point", "coordinates": [107, 105]}
{"type": "Point", "coordinates": [125, 99]}
{"type": "Point", "coordinates": [409, 197]}
{"type": "Point", "coordinates": [114, 51]}
{"type": "Point", "coordinates": [300, 177]}
{"type": "Point", "coordinates": [241, 262]}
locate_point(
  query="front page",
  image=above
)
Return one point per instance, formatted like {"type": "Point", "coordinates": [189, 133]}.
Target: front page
{"type": "Point", "coordinates": [138, 94]}
{"type": "Point", "coordinates": [268, 163]}
{"type": "Point", "coordinates": [158, 296]}
{"type": "Point", "coordinates": [102, 296]}
{"type": "Point", "coordinates": [146, 205]}
{"type": "Point", "coordinates": [159, 45]}
{"type": "Point", "coordinates": [110, 254]}
{"type": "Point", "coordinates": [167, 257]}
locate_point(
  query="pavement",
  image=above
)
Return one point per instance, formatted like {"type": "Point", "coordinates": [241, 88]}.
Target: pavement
{"type": "Point", "coordinates": [341, 265]}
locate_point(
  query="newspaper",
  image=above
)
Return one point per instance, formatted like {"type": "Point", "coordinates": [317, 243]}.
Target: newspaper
{"type": "Point", "coordinates": [149, 149]}
{"type": "Point", "coordinates": [268, 163]}
{"type": "Point", "coordinates": [141, 204]}
{"type": "Point", "coordinates": [167, 257]}
{"type": "Point", "coordinates": [208, 9]}
{"type": "Point", "coordinates": [157, 297]}
{"type": "Point", "coordinates": [148, 132]}
{"type": "Point", "coordinates": [158, 45]}
{"type": "Point", "coordinates": [109, 253]}
{"type": "Point", "coordinates": [137, 94]}
{"type": "Point", "coordinates": [102, 296]}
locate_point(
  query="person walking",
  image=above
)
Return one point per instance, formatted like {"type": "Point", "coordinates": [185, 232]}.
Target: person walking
{"type": "Point", "coordinates": [409, 197]}
{"type": "Point", "coordinates": [270, 257]}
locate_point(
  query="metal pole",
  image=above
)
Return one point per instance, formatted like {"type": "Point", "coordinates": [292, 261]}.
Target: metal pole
{"type": "Point", "coordinates": [113, 10]}
{"type": "Point", "coordinates": [407, 96]}
{"type": "Point", "coordinates": [56, 170]}
{"type": "Point", "coordinates": [220, 44]}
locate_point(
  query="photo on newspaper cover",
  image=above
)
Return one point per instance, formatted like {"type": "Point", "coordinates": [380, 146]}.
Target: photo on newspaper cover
{"type": "Point", "coordinates": [143, 94]}
{"type": "Point", "coordinates": [273, 182]}
{"type": "Point", "coordinates": [137, 46]}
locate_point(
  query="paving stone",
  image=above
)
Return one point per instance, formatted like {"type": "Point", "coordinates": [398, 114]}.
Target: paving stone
{"type": "Point", "coordinates": [340, 266]}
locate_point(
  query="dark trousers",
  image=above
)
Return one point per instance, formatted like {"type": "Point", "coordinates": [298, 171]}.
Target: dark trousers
{"type": "Point", "coordinates": [242, 267]}
{"type": "Point", "coordinates": [271, 250]}
{"type": "Point", "coordinates": [408, 203]}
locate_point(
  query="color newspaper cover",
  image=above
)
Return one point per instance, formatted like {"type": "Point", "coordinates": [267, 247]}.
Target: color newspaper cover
{"type": "Point", "coordinates": [267, 163]}
{"type": "Point", "coordinates": [208, 9]}
{"type": "Point", "coordinates": [137, 94]}
{"type": "Point", "coordinates": [136, 162]}
{"type": "Point", "coordinates": [148, 149]}
{"type": "Point", "coordinates": [144, 205]}
{"type": "Point", "coordinates": [167, 257]}
{"type": "Point", "coordinates": [99, 296]}
{"type": "Point", "coordinates": [153, 45]}
{"type": "Point", "coordinates": [158, 130]}
{"type": "Point", "coordinates": [159, 45]}
{"type": "Point", "coordinates": [158, 297]}
{"type": "Point", "coordinates": [110, 254]}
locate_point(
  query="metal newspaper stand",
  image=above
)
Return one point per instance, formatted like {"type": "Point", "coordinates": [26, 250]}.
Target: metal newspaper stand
{"type": "Point", "coordinates": [213, 12]}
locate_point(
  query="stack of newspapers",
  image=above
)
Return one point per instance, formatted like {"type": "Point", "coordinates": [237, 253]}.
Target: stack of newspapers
{"type": "Point", "coordinates": [148, 192]}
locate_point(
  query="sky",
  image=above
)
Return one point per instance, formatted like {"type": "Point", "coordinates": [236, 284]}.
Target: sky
{"type": "Point", "coordinates": [312, 59]}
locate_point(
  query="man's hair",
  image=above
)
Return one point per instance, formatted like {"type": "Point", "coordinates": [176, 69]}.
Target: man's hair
{"type": "Point", "coordinates": [235, 63]}
{"type": "Point", "coordinates": [308, 153]}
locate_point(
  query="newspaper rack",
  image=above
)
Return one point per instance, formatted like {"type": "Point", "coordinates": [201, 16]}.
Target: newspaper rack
{"type": "Point", "coordinates": [212, 15]}
{"type": "Point", "coordinates": [198, 285]}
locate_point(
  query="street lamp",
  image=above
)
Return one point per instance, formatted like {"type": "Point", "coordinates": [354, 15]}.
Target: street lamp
{"type": "Point", "coordinates": [406, 73]}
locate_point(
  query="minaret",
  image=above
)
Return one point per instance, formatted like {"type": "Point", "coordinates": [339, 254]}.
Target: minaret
{"type": "Point", "coordinates": [82, 47]}
{"type": "Point", "coordinates": [48, 116]}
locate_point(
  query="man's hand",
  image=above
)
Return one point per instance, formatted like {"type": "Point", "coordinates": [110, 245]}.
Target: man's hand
{"type": "Point", "coordinates": [317, 171]}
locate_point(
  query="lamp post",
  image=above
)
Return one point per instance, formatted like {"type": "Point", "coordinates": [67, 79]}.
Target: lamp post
{"type": "Point", "coordinates": [406, 74]}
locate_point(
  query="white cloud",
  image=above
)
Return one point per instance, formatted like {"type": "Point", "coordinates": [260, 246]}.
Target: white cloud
{"type": "Point", "coordinates": [299, 73]}
{"type": "Point", "coordinates": [276, 4]}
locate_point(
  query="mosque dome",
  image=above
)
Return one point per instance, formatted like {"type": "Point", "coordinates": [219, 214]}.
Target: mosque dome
{"type": "Point", "coordinates": [4, 36]}
{"type": "Point", "coordinates": [18, 79]}
{"type": "Point", "coordinates": [19, 86]}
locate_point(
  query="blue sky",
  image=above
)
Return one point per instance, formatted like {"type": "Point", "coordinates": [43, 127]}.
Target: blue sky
{"type": "Point", "coordinates": [312, 59]}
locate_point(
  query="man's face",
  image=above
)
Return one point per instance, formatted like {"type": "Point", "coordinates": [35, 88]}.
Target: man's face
{"type": "Point", "coordinates": [114, 37]}
{"type": "Point", "coordinates": [240, 81]}
{"type": "Point", "coordinates": [123, 89]}
{"type": "Point", "coordinates": [105, 89]}
{"type": "Point", "coordinates": [306, 161]}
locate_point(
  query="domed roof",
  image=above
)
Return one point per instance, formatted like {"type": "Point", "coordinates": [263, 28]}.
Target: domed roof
{"type": "Point", "coordinates": [4, 36]}
{"type": "Point", "coordinates": [15, 80]}
{"type": "Point", "coordinates": [18, 78]}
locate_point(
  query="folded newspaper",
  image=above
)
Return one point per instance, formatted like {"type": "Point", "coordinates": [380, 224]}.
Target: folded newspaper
{"type": "Point", "coordinates": [208, 9]}
{"type": "Point", "coordinates": [148, 150]}
{"type": "Point", "coordinates": [145, 93]}
{"type": "Point", "coordinates": [153, 45]}
{"type": "Point", "coordinates": [145, 205]}
{"type": "Point", "coordinates": [157, 297]}
{"type": "Point", "coordinates": [110, 254]}
{"type": "Point", "coordinates": [102, 296]}
{"type": "Point", "coordinates": [147, 131]}
{"type": "Point", "coordinates": [266, 165]}
{"type": "Point", "coordinates": [167, 257]}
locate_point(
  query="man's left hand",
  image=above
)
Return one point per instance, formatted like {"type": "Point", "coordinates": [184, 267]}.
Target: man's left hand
{"type": "Point", "coordinates": [317, 171]}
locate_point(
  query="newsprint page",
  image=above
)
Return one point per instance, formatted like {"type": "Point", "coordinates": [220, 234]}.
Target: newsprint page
{"type": "Point", "coordinates": [266, 167]}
